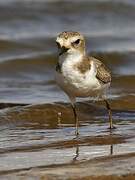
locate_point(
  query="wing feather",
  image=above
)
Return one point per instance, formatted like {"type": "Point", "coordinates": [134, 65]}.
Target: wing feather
{"type": "Point", "coordinates": [103, 73]}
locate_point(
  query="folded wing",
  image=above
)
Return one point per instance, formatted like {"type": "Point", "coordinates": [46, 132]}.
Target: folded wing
{"type": "Point", "coordinates": [103, 73]}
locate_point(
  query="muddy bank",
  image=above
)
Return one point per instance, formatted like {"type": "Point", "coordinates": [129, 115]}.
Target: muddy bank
{"type": "Point", "coordinates": [39, 142]}
{"type": "Point", "coordinates": [117, 167]}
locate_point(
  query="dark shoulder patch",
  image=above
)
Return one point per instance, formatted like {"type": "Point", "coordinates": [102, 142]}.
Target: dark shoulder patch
{"type": "Point", "coordinates": [83, 66]}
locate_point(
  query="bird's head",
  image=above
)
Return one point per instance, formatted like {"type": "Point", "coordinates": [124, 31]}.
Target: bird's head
{"type": "Point", "coordinates": [69, 42]}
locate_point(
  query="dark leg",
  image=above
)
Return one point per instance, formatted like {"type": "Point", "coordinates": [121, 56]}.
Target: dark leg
{"type": "Point", "coordinates": [109, 113]}
{"type": "Point", "coordinates": [76, 120]}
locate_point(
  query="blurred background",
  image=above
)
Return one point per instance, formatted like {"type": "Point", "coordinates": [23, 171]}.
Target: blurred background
{"type": "Point", "coordinates": [28, 53]}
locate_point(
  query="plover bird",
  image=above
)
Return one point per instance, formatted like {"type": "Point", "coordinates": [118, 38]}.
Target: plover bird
{"type": "Point", "coordinates": [78, 74]}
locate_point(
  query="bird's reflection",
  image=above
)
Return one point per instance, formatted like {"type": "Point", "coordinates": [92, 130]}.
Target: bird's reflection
{"type": "Point", "coordinates": [77, 152]}
{"type": "Point", "coordinates": [111, 146]}
{"type": "Point", "coordinates": [111, 149]}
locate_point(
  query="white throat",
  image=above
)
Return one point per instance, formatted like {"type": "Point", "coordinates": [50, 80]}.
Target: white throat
{"type": "Point", "coordinates": [71, 58]}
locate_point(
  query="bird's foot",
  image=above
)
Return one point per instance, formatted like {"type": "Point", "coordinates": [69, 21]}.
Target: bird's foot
{"type": "Point", "coordinates": [112, 127]}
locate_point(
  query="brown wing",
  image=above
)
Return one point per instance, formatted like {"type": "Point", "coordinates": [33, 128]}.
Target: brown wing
{"type": "Point", "coordinates": [103, 73]}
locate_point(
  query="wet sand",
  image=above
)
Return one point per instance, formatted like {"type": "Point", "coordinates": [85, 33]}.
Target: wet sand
{"type": "Point", "coordinates": [45, 147]}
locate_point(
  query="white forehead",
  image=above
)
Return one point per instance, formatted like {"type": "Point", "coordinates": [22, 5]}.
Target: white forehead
{"type": "Point", "coordinates": [67, 41]}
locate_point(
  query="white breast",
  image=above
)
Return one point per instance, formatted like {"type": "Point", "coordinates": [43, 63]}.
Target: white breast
{"type": "Point", "coordinates": [75, 83]}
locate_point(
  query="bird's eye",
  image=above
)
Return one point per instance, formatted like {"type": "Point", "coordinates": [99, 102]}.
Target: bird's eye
{"type": "Point", "coordinates": [76, 42]}
{"type": "Point", "coordinates": [58, 44]}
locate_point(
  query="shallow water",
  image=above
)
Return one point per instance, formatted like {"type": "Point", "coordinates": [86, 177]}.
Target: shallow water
{"type": "Point", "coordinates": [36, 121]}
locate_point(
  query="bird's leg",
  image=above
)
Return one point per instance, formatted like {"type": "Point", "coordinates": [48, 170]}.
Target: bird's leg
{"type": "Point", "coordinates": [109, 113]}
{"type": "Point", "coordinates": [76, 120]}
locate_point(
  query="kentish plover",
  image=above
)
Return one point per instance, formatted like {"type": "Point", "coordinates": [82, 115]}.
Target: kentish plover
{"type": "Point", "coordinates": [78, 74]}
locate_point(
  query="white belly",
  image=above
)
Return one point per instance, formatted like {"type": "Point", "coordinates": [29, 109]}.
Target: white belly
{"type": "Point", "coordinates": [77, 85]}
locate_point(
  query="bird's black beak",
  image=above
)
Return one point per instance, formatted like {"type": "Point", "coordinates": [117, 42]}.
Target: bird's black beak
{"type": "Point", "coordinates": [63, 49]}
